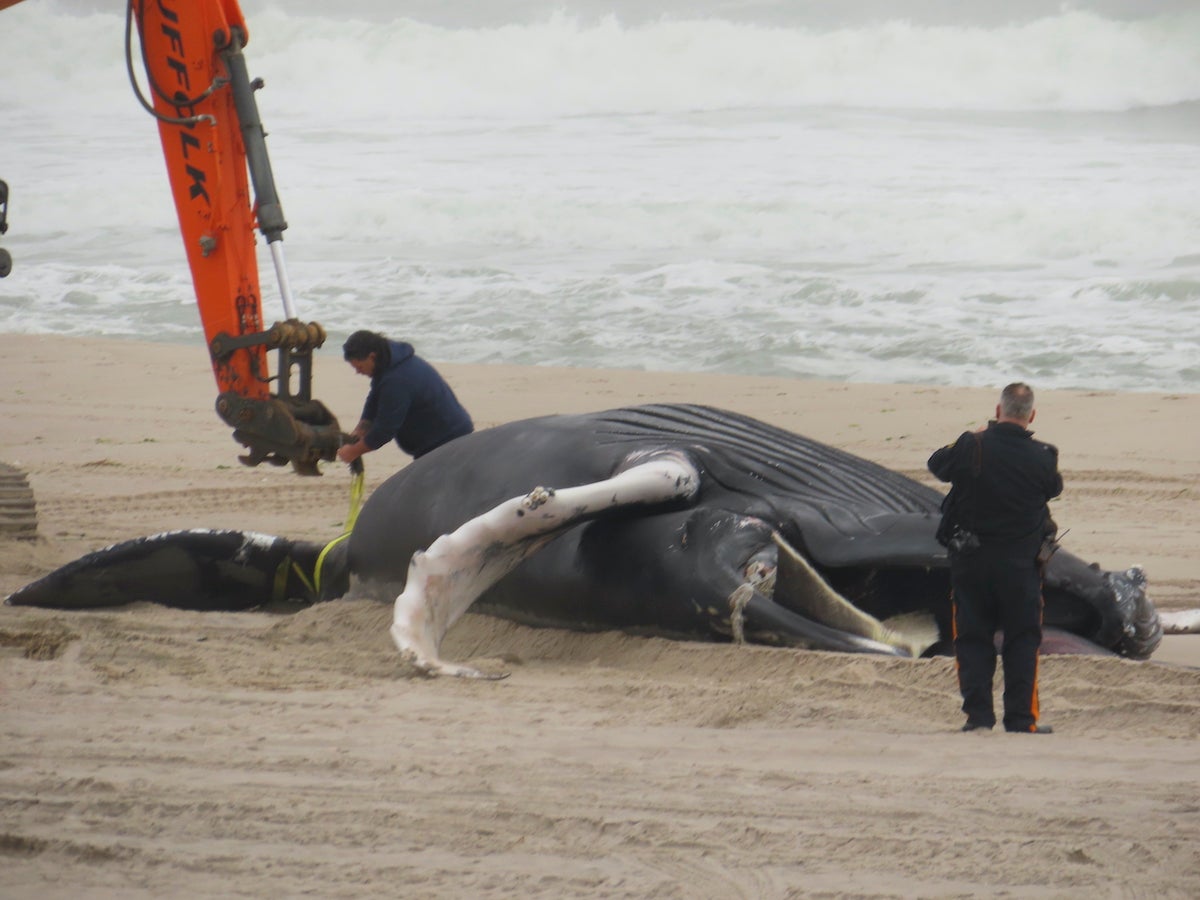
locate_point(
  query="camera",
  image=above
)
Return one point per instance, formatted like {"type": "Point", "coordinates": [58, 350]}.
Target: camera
{"type": "Point", "coordinates": [963, 541]}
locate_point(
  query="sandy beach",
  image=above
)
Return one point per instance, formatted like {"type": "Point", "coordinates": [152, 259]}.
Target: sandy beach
{"type": "Point", "coordinates": [147, 752]}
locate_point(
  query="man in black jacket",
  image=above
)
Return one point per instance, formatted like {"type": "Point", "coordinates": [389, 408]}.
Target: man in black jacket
{"type": "Point", "coordinates": [408, 401]}
{"type": "Point", "coordinates": [995, 521]}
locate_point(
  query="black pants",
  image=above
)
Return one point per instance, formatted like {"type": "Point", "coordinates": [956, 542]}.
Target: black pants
{"type": "Point", "coordinates": [997, 589]}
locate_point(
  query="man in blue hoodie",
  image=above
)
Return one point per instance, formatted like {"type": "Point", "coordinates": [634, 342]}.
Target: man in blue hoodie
{"type": "Point", "coordinates": [409, 402]}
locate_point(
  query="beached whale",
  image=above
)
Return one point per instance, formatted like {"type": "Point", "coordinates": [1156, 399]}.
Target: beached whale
{"type": "Point", "coordinates": [675, 520]}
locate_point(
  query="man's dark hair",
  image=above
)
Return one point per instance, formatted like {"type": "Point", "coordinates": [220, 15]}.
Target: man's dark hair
{"type": "Point", "coordinates": [362, 344]}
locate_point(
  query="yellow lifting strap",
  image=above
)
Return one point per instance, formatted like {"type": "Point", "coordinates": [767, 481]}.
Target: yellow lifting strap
{"type": "Point", "coordinates": [289, 565]}
{"type": "Point", "coordinates": [357, 488]}
{"type": "Point", "coordinates": [321, 561]}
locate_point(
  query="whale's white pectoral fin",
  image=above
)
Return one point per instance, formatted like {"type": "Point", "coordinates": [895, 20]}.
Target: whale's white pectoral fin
{"type": "Point", "coordinates": [444, 580]}
{"type": "Point", "coordinates": [1182, 621]}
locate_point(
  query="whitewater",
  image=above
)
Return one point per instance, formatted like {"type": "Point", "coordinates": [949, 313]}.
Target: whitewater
{"type": "Point", "coordinates": [910, 192]}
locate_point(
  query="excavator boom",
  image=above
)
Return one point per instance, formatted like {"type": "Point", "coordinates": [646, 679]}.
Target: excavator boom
{"type": "Point", "coordinates": [206, 166]}
{"type": "Point", "coordinates": [215, 150]}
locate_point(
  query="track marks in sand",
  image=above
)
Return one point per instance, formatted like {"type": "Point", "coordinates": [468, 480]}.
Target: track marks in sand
{"type": "Point", "coordinates": [453, 790]}
{"type": "Point", "coordinates": [309, 508]}
{"type": "Point", "coordinates": [37, 643]}
{"type": "Point", "coordinates": [290, 755]}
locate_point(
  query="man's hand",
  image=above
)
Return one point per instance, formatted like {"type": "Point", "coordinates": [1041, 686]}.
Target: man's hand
{"type": "Point", "coordinates": [348, 453]}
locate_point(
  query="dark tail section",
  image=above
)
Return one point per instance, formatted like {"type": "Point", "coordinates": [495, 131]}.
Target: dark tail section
{"type": "Point", "coordinates": [198, 570]}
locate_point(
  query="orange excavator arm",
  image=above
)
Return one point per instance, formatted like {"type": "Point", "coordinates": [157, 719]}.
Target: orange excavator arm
{"type": "Point", "coordinates": [215, 150]}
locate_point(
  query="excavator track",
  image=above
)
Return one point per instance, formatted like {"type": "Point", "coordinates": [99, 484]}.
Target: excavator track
{"type": "Point", "coordinates": [18, 514]}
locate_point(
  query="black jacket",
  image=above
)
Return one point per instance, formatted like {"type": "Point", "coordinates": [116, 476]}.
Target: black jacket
{"type": "Point", "coordinates": [1005, 503]}
{"type": "Point", "coordinates": [410, 402]}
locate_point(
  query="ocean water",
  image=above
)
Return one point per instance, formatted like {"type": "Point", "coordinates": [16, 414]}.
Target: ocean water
{"type": "Point", "coordinates": [914, 191]}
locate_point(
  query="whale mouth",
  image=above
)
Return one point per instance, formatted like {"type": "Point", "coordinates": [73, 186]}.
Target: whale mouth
{"type": "Point", "coordinates": [794, 584]}
{"type": "Point", "coordinates": [1142, 629]}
